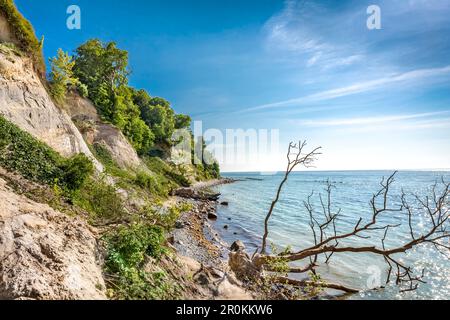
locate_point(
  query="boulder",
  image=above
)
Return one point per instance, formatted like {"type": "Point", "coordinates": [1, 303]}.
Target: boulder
{"type": "Point", "coordinates": [212, 215]}
{"type": "Point", "coordinates": [237, 246]}
{"type": "Point", "coordinates": [241, 264]}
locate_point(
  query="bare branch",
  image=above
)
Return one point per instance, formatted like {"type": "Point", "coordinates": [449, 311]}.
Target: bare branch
{"type": "Point", "coordinates": [294, 159]}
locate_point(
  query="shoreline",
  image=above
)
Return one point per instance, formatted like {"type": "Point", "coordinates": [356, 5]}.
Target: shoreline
{"type": "Point", "coordinates": [195, 235]}
{"type": "Point", "coordinates": [195, 239]}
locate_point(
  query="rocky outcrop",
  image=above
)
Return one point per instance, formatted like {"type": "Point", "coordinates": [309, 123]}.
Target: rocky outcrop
{"type": "Point", "coordinates": [45, 254]}
{"type": "Point", "coordinates": [25, 102]}
{"type": "Point", "coordinates": [85, 116]}
{"type": "Point", "coordinates": [122, 152]}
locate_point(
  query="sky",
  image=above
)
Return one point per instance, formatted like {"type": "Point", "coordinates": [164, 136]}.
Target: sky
{"type": "Point", "coordinates": [372, 99]}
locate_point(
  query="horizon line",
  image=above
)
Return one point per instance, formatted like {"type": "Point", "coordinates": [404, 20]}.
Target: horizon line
{"type": "Point", "coordinates": [346, 170]}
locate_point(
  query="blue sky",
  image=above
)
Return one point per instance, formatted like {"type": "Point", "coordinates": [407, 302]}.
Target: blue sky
{"type": "Point", "coordinates": [373, 99]}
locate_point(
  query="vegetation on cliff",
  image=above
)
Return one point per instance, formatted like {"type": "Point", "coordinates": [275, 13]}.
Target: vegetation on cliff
{"type": "Point", "coordinates": [34, 160]}
{"type": "Point", "coordinates": [23, 33]}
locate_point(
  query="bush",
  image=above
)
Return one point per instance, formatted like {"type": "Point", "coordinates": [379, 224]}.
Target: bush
{"type": "Point", "coordinates": [128, 246]}
{"type": "Point", "coordinates": [151, 184]}
{"type": "Point", "coordinates": [101, 201]}
{"type": "Point", "coordinates": [82, 89]}
{"type": "Point", "coordinates": [76, 171]}
{"type": "Point", "coordinates": [127, 249]}
{"type": "Point", "coordinates": [162, 168]}
{"type": "Point", "coordinates": [34, 160]}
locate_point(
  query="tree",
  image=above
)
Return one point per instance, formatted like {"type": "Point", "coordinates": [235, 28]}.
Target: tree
{"type": "Point", "coordinates": [158, 115]}
{"type": "Point", "coordinates": [182, 121]}
{"type": "Point", "coordinates": [103, 68]}
{"type": "Point", "coordinates": [61, 75]}
{"type": "Point", "coordinates": [329, 240]}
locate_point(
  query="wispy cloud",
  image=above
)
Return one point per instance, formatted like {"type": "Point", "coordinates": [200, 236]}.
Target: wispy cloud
{"type": "Point", "coordinates": [357, 88]}
{"type": "Point", "coordinates": [368, 121]}
{"type": "Point", "coordinates": [303, 29]}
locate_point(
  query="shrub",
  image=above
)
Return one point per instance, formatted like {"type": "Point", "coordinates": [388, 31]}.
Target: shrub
{"type": "Point", "coordinates": [76, 170]}
{"type": "Point", "coordinates": [127, 249]}
{"type": "Point", "coordinates": [155, 184]}
{"type": "Point", "coordinates": [128, 246]}
{"type": "Point", "coordinates": [82, 89]}
{"type": "Point", "coordinates": [101, 201]}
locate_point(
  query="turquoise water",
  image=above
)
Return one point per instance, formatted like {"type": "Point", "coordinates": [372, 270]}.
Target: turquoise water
{"type": "Point", "coordinates": [250, 199]}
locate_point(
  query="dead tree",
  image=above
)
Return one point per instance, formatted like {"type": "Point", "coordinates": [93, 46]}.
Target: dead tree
{"type": "Point", "coordinates": [328, 239]}
{"type": "Point", "coordinates": [294, 160]}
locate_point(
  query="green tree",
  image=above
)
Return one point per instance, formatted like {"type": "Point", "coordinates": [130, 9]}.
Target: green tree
{"type": "Point", "coordinates": [103, 69]}
{"type": "Point", "coordinates": [182, 121]}
{"type": "Point", "coordinates": [61, 75]}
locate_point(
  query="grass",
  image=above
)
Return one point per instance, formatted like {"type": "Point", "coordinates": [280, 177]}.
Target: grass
{"type": "Point", "coordinates": [23, 33]}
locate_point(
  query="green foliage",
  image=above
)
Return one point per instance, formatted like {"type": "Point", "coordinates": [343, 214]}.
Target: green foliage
{"type": "Point", "coordinates": [34, 160]}
{"type": "Point", "coordinates": [166, 218]}
{"type": "Point", "coordinates": [23, 33]}
{"type": "Point", "coordinates": [182, 121]}
{"type": "Point", "coordinates": [102, 155]}
{"type": "Point", "coordinates": [128, 246]}
{"type": "Point", "coordinates": [127, 249]}
{"type": "Point", "coordinates": [169, 172]}
{"type": "Point", "coordinates": [207, 168]}
{"type": "Point", "coordinates": [279, 264]}
{"type": "Point", "coordinates": [82, 89]}
{"type": "Point", "coordinates": [98, 64]}
{"type": "Point", "coordinates": [101, 200]}
{"type": "Point", "coordinates": [76, 171]}
{"type": "Point", "coordinates": [151, 184]}
{"type": "Point", "coordinates": [61, 75]}
{"type": "Point", "coordinates": [159, 116]}
{"type": "Point", "coordinates": [102, 69]}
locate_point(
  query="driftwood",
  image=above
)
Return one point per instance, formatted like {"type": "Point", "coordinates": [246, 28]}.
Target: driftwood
{"type": "Point", "coordinates": [328, 239]}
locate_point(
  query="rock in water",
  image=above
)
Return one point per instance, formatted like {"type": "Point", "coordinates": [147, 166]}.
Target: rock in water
{"type": "Point", "coordinates": [224, 203]}
{"type": "Point", "coordinates": [212, 215]}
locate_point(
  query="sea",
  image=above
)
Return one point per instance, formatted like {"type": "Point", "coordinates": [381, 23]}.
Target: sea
{"type": "Point", "coordinates": [250, 196]}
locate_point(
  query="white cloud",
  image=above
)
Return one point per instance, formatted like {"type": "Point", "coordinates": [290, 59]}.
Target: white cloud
{"type": "Point", "coordinates": [361, 87]}
{"type": "Point", "coordinates": [303, 29]}
{"type": "Point", "coordinates": [372, 120]}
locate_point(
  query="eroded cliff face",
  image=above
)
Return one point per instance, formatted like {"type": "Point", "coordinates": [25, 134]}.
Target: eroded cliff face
{"type": "Point", "coordinates": [25, 102]}
{"type": "Point", "coordinates": [45, 254]}
{"type": "Point", "coordinates": [83, 112]}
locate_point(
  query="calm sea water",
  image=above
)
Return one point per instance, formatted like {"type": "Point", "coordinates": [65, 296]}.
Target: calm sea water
{"type": "Point", "coordinates": [250, 199]}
